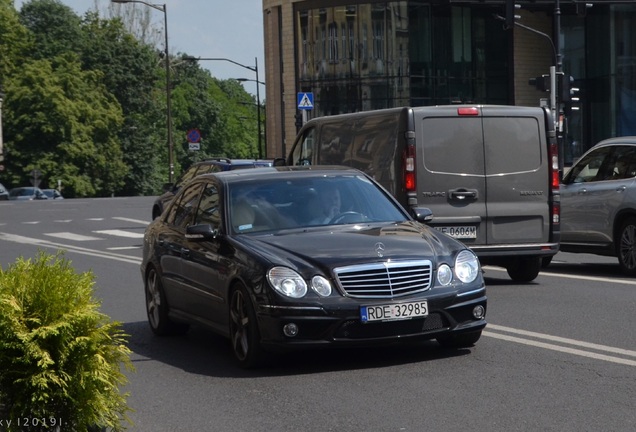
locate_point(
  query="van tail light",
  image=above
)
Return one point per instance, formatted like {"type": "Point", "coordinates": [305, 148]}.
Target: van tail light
{"type": "Point", "coordinates": [554, 184]}
{"type": "Point", "coordinates": [410, 183]}
{"type": "Point", "coordinates": [554, 168]}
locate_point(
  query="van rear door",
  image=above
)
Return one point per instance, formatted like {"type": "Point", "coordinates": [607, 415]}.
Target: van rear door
{"type": "Point", "coordinates": [517, 175]}
{"type": "Point", "coordinates": [483, 173]}
{"type": "Point", "coordinates": [450, 171]}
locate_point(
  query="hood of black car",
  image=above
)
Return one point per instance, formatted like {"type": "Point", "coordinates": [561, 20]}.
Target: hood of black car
{"type": "Point", "coordinates": [350, 244]}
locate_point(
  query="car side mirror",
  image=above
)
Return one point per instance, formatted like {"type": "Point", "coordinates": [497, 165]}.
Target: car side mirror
{"type": "Point", "coordinates": [422, 214]}
{"type": "Point", "coordinates": [201, 232]}
{"type": "Point", "coordinates": [168, 187]}
{"type": "Point", "coordinates": [279, 162]}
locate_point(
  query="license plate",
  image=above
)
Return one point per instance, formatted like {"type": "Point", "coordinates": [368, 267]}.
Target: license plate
{"type": "Point", "coordinates": [394, 312]}
{"type": "Point", "coordinates": [459, 232]}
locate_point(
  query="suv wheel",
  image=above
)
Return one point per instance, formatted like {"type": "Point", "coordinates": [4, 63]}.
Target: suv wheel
{"type": "Point", "coordinates": [626, 246]}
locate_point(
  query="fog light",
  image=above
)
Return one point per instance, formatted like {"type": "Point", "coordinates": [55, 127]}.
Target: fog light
{"type": "Point", "coordinates": [479, 312]}
{"type": "Point", "coordinates": [290, 330]}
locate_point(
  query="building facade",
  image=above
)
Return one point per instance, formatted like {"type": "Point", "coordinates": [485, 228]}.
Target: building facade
{"type": "Point", "coordinates": [354, 55]}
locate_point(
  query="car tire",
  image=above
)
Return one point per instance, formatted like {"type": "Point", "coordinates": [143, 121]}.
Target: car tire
{"type": "Point", "coordinates": [462, 340]}
{"type": "Point", "coordinates": [244, 332]}
{"type": "Point", "coordinates": [545, 261]}
{"type": "Point", "coordinates": [626, 246]}
{"type": "Point", "coordinates": [524, 269]}
{"type": "Point", "coordinates": [157, 308]}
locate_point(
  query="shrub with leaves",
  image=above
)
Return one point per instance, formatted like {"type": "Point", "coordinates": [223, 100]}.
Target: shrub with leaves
{"type": "Point", "coordinates": [60, 358]}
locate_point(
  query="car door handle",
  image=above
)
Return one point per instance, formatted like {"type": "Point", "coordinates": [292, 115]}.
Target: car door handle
{"type": "Point", "coordinates": [185, 252]}
{"type": "Point", "coordinates": [582, 191]}
{"type": "Point", "coordinates": [621, 189]}
{"type": "Point", "coordinates": [462, 194]}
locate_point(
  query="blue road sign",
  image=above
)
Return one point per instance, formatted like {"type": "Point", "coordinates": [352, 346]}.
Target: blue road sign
{"type": "Point", "coordinates": [305, 101]}
{"type": "Point", "coordinates": [194, 136]}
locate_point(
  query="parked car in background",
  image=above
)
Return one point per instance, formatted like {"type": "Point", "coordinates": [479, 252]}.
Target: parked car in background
{"type": "Point", "coordinates": [271, 259]}
{"type": "Point", "coordinates": [598, 203]}
{"type": "Point", "coordinates": [52, 193]}
{"type": "Point", "coordinates": [27, 193]}
{"type": "Point", "coordinates": [4, 193]}
{"type": "Point", "coordinates": [203, 167]}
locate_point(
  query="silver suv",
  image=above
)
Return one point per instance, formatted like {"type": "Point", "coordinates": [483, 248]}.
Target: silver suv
{"type": "Point", "coordinates": [598, 203]}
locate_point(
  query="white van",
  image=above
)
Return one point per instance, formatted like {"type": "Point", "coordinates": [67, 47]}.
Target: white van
{"type": "Point", "coordinates": [489, 173]}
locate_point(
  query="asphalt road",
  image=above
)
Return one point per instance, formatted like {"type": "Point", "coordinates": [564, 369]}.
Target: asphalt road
{"type": "Point", "coordinates": [558, 354]}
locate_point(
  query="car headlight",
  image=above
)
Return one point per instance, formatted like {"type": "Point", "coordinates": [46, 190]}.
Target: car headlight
{"type": "Point", "coordinates": [466, 266]}
{"type": "Point", "coordinates": [287, 282]}
{"type": "Point", "coordinates": [321, 286]}
{"type": "Point", "coordinates": [444, 275]}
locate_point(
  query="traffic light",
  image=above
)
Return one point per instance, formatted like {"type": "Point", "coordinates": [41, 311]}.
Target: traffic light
{"type": "Point", "coordinates": [541, 83]}
{"type": "Point", "coordinates": [511, 7]}
{"type": "Point", "coordinates": [299, 120]}
{"type": "Point", "coordinates": [568, 94]}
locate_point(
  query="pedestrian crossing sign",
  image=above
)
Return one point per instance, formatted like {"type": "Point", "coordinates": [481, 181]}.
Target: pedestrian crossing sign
{"type": "Point", "coordinates": [305, 101]}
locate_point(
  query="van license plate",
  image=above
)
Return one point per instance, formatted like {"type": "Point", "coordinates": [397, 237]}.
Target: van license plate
{"type": "Point", "coordinates": [459, 232]}
{"type": "Point", "coordinates": [391, 312]}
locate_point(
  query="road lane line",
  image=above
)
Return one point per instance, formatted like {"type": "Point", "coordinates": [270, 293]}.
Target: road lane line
{"type": "Point", "coordinates": [563, 340]}
{"type": "Point", "coordinates": [569, 276]}
{"type": "Point", "coordinates": [70, 248]}
{"type": "Point", "coordinates": [563, 349]}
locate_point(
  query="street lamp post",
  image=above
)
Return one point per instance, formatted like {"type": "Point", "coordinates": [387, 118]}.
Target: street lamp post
{"type": "Point", "coordinates": [162, 8]}
{"type": "Point", "coordinates": [257, 81]}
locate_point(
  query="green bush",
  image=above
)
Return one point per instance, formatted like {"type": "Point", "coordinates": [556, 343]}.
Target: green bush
{"type": "Point", "coordinates": [60, 358]}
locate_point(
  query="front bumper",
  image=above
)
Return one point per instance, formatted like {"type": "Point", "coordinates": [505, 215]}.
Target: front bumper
{"type": "Point", "coordinates": [339, 324]}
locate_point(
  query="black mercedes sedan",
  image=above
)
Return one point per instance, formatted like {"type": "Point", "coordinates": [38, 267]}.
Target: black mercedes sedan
{"type": "Point", "coordinates": [286, 258]}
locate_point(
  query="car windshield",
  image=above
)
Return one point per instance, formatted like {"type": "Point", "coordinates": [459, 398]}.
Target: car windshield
{"type": "Point", "coordinates": [285, 202]}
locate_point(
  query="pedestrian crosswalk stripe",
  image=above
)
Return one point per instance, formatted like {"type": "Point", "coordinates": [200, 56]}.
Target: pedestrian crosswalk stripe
{"type": "Point", "coordinates": [72, 236]}
{"type": "Point", "coordinates": [120, 233]}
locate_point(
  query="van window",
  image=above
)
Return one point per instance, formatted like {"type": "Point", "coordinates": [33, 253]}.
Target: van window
{"type": "Point", "coordinates": [513, 145]}
{"type": "Point", "coordinates": [302, 152]}
{"type": "Point", "coordinates": [452, 145]}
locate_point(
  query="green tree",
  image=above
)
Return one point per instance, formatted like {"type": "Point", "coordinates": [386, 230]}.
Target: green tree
{"type": "Point", "coordinates": [15, 40]}
{"type": "Point", "coordinates": [131, 73]}
{"type": "Point", "coordinates": [64, 122]}
{"type": "Point", "coordinates": [54, 26]}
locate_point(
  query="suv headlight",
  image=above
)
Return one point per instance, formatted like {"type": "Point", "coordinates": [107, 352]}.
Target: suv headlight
{"type": "Point", "coordinates": [466, 266]}
{"type": "Point", "coordinates": [287, 282]}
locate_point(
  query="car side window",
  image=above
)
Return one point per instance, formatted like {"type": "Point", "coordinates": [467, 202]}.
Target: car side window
{"type": "Point", "coordinates": [209, 211]}
{"type": "Point", "coordinates": [590, 168]}
{"type": "Point", "coordinates": [622, 164]}
{"type": "Point", "coordinates": [183, 211]}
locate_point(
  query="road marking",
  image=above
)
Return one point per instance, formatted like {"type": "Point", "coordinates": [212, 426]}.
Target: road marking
{"type": "Point", "coordinates": [70, 248]}
{"type": "Point", "coordinates": [124, 248]}
{"type": "Point", "coordinates": [31, 223]}
{"type": "Point", "coordinates": [570, 276]}
{"type": "Point", "coordinates": [120, 233]}
{"type": "Point", "coordinates": [143, 222]}
{"type": "Point", "coordinates": [561, 348]}
{"type": "Point", "coordinates": [72, 236]}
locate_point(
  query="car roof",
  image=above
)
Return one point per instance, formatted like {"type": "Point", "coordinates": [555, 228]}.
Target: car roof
{"type": "Point", "coordinates": [628, 140]}
{"type": "Point", "coordinates": [229, 161]}
{"type": "Point", "coordinates": [292, 171]}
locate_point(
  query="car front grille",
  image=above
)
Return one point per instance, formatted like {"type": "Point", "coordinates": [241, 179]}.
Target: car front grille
{"type": "Point", "coordinates": [385, 280]}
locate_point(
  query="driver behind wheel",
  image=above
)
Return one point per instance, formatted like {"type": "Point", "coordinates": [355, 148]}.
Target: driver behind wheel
{"type": "Point", "coordinates": [326, 206]}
